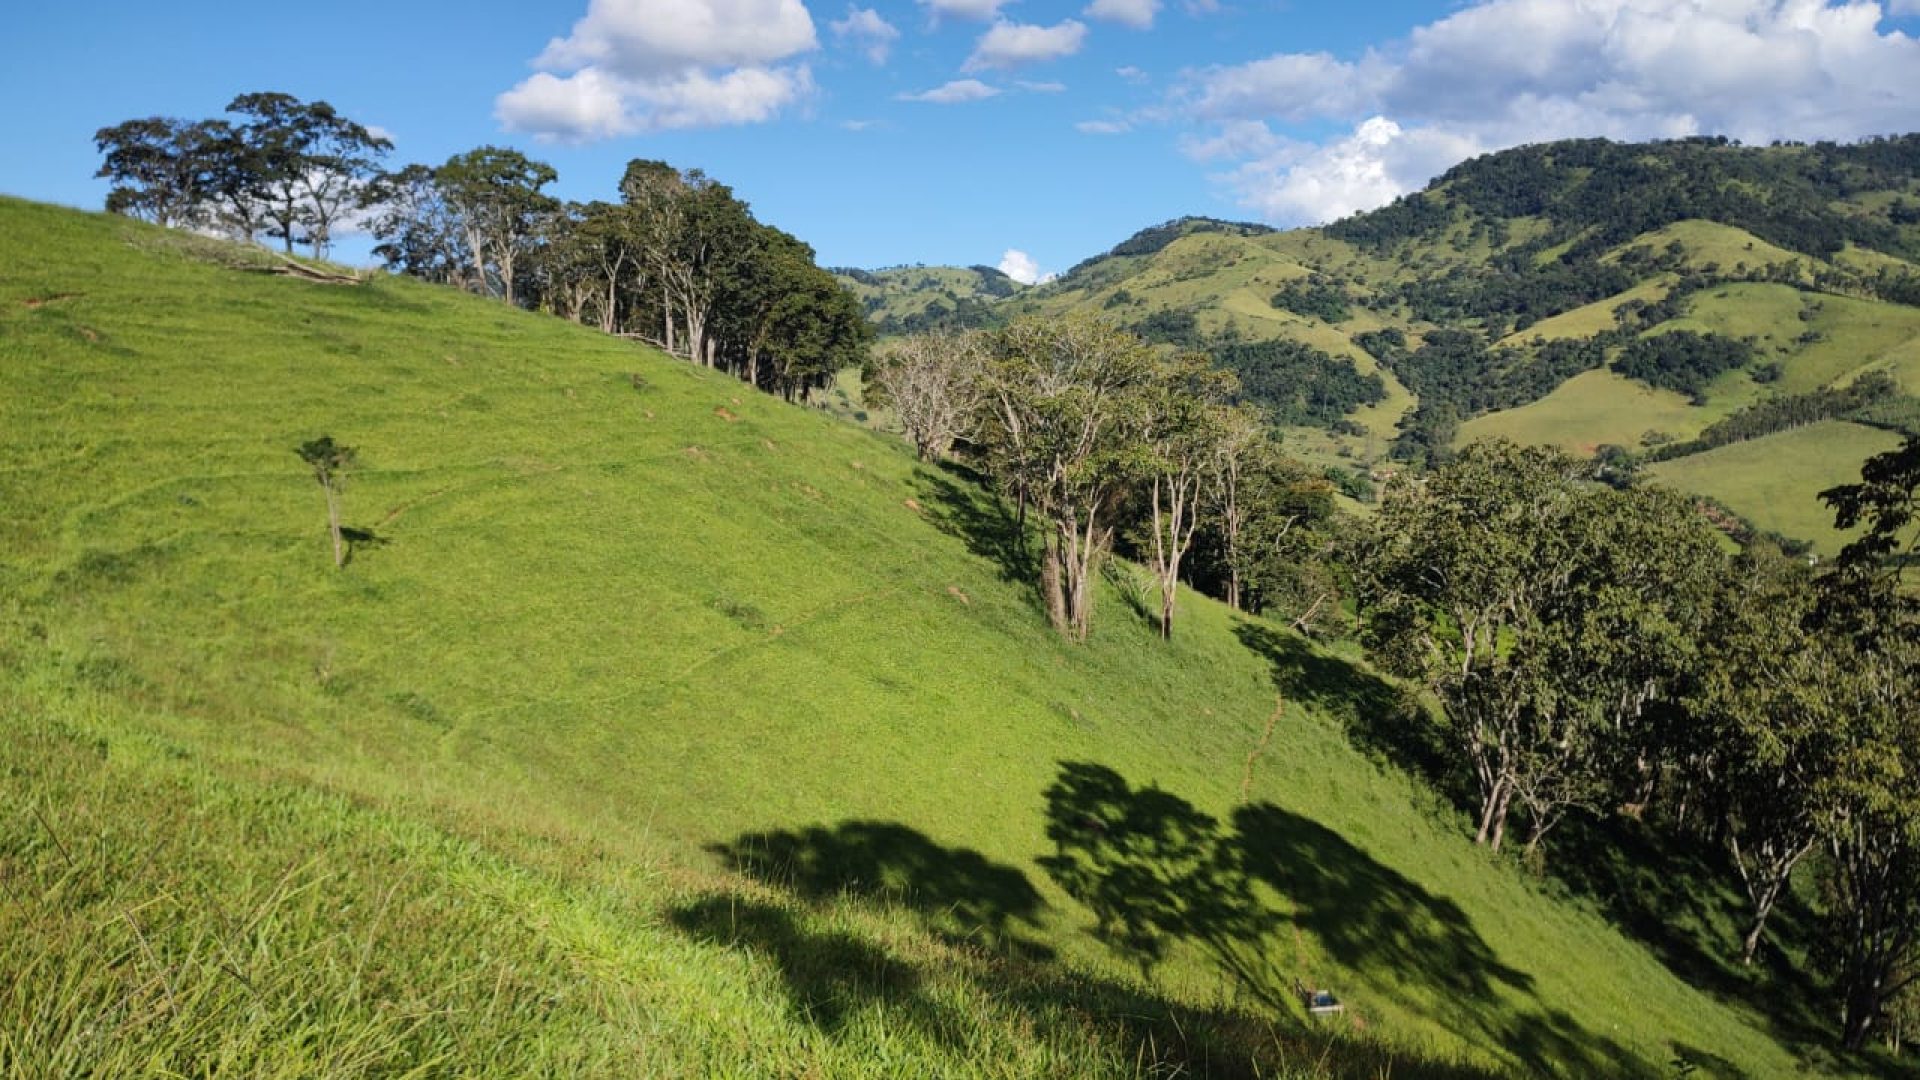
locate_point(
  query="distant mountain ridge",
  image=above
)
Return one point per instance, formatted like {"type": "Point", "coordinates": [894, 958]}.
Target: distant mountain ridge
{"type": "Point", "coordinates": [1622, 300]}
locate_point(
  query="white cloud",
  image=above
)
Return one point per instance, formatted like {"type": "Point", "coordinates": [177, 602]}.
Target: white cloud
{"type": "Point", "coordinates": [741, 96]}
{"type": "Point", "coordinates": [1290, 86]}
{"type": "Point", "coordinates": [648, 37]}
{"type": "Point", "coordinates": [1136, 75]}
{"type": "Point", "coordinates": [981, 10]}
{"type": "Point", "coordinates": [954, 93]}
{"type": "Point", "coordinates": [864, 25]}
{"type": "Point", "coordinates": [1040, 87]}
{"type": "Point", "coordinates": [855, 125]}
{"type": "Point", "coordinates": [1300, 182]}
{"type": "Point", "coordinates": [1009, 44]}
{"type": "Point", "coordinates": [1904, 7]}
{"type": "Point", "coordinates": [644, 65]}
{"type": "Point", "coordinates": [1236, 141]}
{"type": "Point", "coordinates": [587, 105]}
{"type": "Point", "coordinates": [1103, 127]}
{"type": "Point", "coordinates": [1020, 266]}
{"type": "Point", "coordinates": [1135, 13]}
{"type": "Point", "coordinates": [591, 105]}
{"type": "Point", "coordinates": [1504, 72]}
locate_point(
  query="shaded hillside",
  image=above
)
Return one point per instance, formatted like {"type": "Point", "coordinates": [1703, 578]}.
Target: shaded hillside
{"type": "Point", "coordinates": [654, 726]}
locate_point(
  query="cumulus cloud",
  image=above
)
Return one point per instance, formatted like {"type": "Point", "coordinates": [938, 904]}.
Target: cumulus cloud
{"type": "Point", "coordinates": [1136, 75]}
{"type": "Point", "coordinates": [865, 26]}
{"type": "Point", "coordinates": [1135, 13]}
{"type": "Point", "coordinates": [632, 66]}
{"type": "Point", "coordinates": [1290, 86]}
{"type": "Point", "coordinates": [1504, 72]}
{"type": "Point", "coordinates": [1010, 44]}
{"type": "Point", "coordinates": [1310, 184]}
{"type": "Point", "coordinates": [981, 10]}
{"type": "Point", "coordinates": [1020, 266]}
{"type": "Point", "coordinates": [1103, 127]}
{"type": "Point", "coordinates": [586, 105]}
{"type": "Point", "coordinates": [956, 92]}
{"type": "Point", "coordinates": [647, 37]}
{"type": "Point", "coordinates": [1040, 87]}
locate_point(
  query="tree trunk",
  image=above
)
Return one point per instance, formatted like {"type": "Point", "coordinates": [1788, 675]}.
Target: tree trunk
{"type": "Point", "coordinates": [333, 527]}
{"type": "Point", "coordinates": [1082, 549]}
{"type": "Point", "coordinates": [476, 250]}
{"type": "Point", "coordinates": [1304, 623]}
{"type": "Point", "coordinates": [1050, 584]}
{"type": "Point", "coordinates": [1863, 1006]}
{"type": "Point", "coordinates": [1750, 944]}
{"type": "Point", "coordinates": [666, 314]}
{"type": "Point", "coordinates": [1537, 830]}
{"type": "Point", "coordinates": [1493, 814]}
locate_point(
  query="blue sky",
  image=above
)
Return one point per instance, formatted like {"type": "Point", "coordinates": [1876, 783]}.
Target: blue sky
{"type": "Point", "coordinates": [973, 131]}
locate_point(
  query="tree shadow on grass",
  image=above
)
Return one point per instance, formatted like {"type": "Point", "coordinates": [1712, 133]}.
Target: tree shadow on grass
{"type": "Point", "coordinates": [1657, 893]}
{"type": "Point", "coordinates": [829, 977]}
{"type": "Point", "coordinates": [984, 910]}
{"type": "Point", "coordinates": [963, 894]}
{"type": "Point", "coordinates": [359, 540]}
{"type": "Point", "coordinates": [958, 503]}
{"type": "Point", "coordinates": [1677, 902]}
{"type": "Point", "coordinates": [1382, 719]}
{"type": "Point", "coordinates": [1155, 871]}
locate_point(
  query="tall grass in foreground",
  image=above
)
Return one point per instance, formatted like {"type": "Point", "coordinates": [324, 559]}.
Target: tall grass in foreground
{"type": "Point", "coordinates": [158, 920]}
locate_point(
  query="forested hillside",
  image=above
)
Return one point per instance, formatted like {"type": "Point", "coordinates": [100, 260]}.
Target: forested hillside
{"type": "Point", "coordinates": [917, 299]}
{"type": "Point", "coordinates": [1632, 303]}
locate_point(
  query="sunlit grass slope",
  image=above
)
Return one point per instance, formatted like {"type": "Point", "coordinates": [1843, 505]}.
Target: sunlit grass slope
{"type": "Point", "coordinates": [1775, 482]}
{"type": "Point", "coordinates": [659, 728]}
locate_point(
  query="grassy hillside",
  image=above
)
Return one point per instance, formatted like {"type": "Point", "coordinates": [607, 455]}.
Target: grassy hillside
{"type": "Point", "coordinates": [660, 728]}
{"type": "Point", "coordinates": [915, 299]}
{"type": "Point", "coordinates": [1559, 257]}
{"type": "Point", "coordinates": [1774, 481]}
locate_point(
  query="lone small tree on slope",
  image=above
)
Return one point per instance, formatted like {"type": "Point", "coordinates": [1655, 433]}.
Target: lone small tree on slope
{"type": "Point", "coordinates": [330, 462]}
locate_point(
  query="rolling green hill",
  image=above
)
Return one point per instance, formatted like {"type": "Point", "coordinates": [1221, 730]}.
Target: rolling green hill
{"type": "Point", "coordinates": [1558, 258]}
{"type": "Point", "coordinates": [660, 728]}
{"type": "Point", "coordinates": [913, 299]}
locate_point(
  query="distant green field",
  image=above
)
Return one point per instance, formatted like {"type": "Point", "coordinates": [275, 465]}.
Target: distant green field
{"type": "Point", "coordinates": [1775, 482]}
{"type": "Point", "coordinates": [1590, 410]}
{"type": "Point", "coordinates": [660, 728]}
{"type": "Point", "coordinates": [1818, 340]}
{"type": "Point", "coordinates": [1589, 319]}
{"type": "Point", "coordinates": [1709, 243]}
